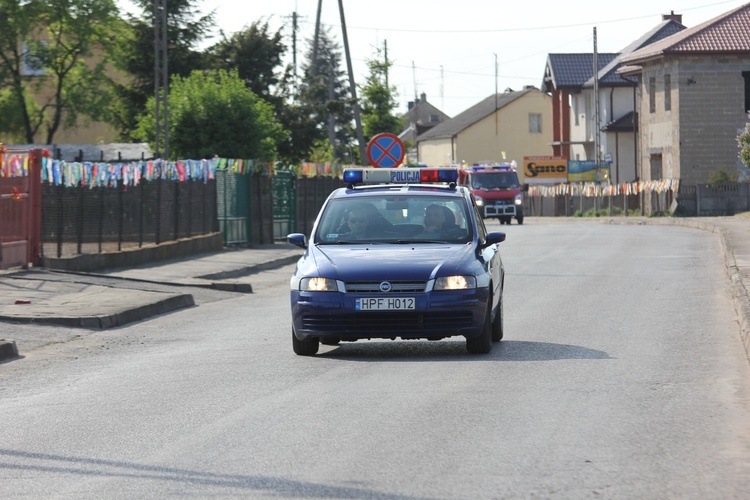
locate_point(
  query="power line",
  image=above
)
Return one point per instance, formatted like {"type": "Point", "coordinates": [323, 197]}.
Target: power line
{"type": "Point", "coordinates": [464, 31]}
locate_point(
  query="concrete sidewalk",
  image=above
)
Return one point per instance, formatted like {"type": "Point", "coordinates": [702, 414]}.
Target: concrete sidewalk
{"type": "Point", "coordinates": [46, 296]}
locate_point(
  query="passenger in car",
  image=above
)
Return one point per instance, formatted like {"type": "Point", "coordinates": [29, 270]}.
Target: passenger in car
{"type": "Point", "coordinates": [358, 223]}
{"type": "Point", "coordinates": [438, 219]}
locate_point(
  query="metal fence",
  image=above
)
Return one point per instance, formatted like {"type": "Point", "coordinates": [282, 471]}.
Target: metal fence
{"type": "Point", "coordinates": [254, 208]}
{"type": "Point", "coordinates": [688, 201]}
{"type": "Point", "coordinates": [84, 220]}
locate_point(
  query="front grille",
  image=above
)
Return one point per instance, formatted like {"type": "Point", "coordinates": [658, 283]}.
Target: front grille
{"type": "Point", "coordinates": [396, 286]}
{"type": "Point", "coordinates": [388, 324]}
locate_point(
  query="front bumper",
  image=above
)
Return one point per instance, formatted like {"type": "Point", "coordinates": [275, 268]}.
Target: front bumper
{"type": "Point", "coordinates": [500, 208]}
{"type": "Point", "coordinates": [437, 315]}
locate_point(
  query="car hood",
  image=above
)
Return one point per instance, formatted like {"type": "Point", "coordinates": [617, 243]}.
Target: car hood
{"type": "Point", "coordinates": [384, 262]}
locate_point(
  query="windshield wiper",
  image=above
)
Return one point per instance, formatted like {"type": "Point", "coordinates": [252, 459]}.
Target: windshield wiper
{"type": "Point", "coordinates": [408, 242]}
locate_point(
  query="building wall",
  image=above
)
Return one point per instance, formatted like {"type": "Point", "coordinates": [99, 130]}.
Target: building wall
{"type": "Point", "coordinates": [487, 139]}
{"type": "Point", "coordinates": [85, 130]}
{"type": "Point", "coordinates": [436, 152]}
{"type": "Point", "coordinates": [582, 145]}
{"type": "Point", "coordinates": [711, 114]}
{"type": "Point", "coordinates": [699, 134]}
{"type": "Point", "coordinates": [616, 102]}
{"type": "Point", "coordinates": [621, 145]}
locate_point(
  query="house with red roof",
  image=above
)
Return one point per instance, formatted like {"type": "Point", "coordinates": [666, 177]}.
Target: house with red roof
{"type": "Point", "coordinates": [693, 99]}
{"type": "Point", "coordinates": [570, 80]}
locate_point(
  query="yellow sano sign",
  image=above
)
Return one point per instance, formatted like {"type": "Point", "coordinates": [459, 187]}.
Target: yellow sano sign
{"type": "Point", "coordinates": [545, 169]}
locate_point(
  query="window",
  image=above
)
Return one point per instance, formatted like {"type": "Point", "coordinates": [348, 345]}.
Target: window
{"type": "Point", "coordinates": [32, 64]}
{"type": "Point", "coordinates": [746, 76]}
{"type": "Point", "coordinates": [667, 92]}
{"type": "Point", "coordinates": [434, 118]}
{"type": "Point", "coordinates": [535, 123]}
{"type": "Point", "coordinates": [652, 95]}
{"type": "Point", "coordinates": [577, 109]}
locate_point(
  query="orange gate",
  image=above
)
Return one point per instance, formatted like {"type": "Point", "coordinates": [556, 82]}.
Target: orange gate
{"type": "Point", "coordinates": [20, 207]}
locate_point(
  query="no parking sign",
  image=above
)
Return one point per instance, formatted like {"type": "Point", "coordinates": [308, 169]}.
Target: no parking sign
{"type": "Point", "coordinates": [385, 150]}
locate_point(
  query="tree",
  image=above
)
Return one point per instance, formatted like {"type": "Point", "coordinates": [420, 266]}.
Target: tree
{"type": "Point", "coordinates": [53, 61]}
{"type": "Point", "coordinates": [135, 56]}
{"type": "Point", "coordinates": [325, 94]}
{"type": "Point", "coordinates": [214, 113]}
{"type": "Point", "coordinates": [257, 55]}
{"type": "Point", "coordinates": [379, 102]}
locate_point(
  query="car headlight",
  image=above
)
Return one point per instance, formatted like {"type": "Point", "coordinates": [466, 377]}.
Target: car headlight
{"type": "Point", "coordinates": [479, 200]}
{"type": "Point", "coordinates": [318, 285]}
{"type": "Point", "coordinates": [455, 283]}
{"type": "Point", "coordinates": [519, 199]}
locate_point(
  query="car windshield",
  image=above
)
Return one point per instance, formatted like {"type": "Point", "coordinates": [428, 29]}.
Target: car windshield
{"type": "Point", "coordinates": [494, 180]}
{"type": "Point", "coordinates": [394, 219]}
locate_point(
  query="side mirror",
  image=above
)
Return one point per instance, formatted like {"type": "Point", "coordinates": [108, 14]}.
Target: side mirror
{"type": "Point", "coordinates": [493, 238]}
{"type": "Point", "coordinates": [297, 239]}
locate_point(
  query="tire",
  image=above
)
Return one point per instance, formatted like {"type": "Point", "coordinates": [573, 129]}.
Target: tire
{"type": "Point", "coordinates": [304, 347]}
{"type": "Point", "coordinates": [497, 325]}
{"type": "Point", "coordinates": [520, 220]}
{"type": "Point", "coordinates": [483, 343]}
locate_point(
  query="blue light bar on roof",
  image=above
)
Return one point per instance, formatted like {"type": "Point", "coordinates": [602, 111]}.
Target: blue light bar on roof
{"type": "Point", "coordinates": [400, 175]}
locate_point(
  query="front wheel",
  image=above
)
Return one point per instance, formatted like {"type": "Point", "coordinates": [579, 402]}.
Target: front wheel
{"type": "Point", "coordinates": [304, 347]}
{"type": "Point", "coordinates": [483, 343]}
{"type": "Point", "coordinates": [497, 325]}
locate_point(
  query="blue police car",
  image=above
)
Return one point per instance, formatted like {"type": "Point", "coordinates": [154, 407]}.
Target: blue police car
{"type": "Point", "coordinates": [398, 253]}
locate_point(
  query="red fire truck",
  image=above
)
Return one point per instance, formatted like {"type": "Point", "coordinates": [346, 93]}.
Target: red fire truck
{"type": "Point", "coordinates": [496, 188]}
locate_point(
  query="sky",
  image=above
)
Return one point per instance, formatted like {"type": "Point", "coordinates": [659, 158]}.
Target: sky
{"type": "Point", "coordinates": [461, 51]}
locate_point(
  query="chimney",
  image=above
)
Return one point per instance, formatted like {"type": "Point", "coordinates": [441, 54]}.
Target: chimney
{"type": "Point", "coordinates": [672, 16]}
{"type": "Point", "coordinates": [423, 97]}
{"type": "Point", "coordinates": [411, 105]}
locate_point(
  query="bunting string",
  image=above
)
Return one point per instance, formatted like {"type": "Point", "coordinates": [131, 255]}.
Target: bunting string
{"type": "Point", "coordinates": [591, 189]}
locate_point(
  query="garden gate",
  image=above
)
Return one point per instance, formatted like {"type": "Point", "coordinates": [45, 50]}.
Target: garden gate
{"type": "Point", "coordinates": [20, 207]}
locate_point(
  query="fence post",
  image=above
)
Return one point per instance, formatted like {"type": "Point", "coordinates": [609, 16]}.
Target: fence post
{"type": "Point", "coordinates": [698, 195]}
{"type": "Point", "coordinates": [121, 209]}
{"type": "Point", "coordinates": [190, 207]}
{"type": "Point", "coordinates": [34, 249]}
{"type": "Point", "coordinates": [176, 233]}
{"type": "Point", "coordinates": [157, 236]}
{"type": "Point", "coordinates": [81, 216]}
{"type": "Point", "coordinates": [140, 221]}
{"type": "Point", "coordinates": [101, 218]}
{"type": "Point", "coordinates": [60, 205]}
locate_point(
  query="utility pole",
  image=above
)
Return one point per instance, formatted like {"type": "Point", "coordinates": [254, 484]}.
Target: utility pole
{"type": "Point", "coordinates": [294, 53]}
{"type": "Point", "coordinates": [315, 40]}
{"type": "Point", "coordinates": [161, 80]}
{"type": "Point", "coordinates": [597, 127]}
{"type": "Point", "coordinates": [357, 118]}
{"type": "Point", "coordinates": [414, 78]}
{"type": "Point", "coordinates": [385, 53]}
{"type": "Point", "coordinates": [442, 88]}
{"type": "Point", "coordinates": [497, 125]}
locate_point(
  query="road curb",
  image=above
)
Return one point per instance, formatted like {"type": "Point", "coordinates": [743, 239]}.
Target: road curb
{"type": "Point", "coordinates": [119, 318]}
{"type": "Point", "coordinates": [8, 349]}
{"type": "Point", "coordinates": [248, 270]}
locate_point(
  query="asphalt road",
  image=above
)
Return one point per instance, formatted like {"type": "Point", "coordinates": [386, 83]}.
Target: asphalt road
{"type": "Point", "coordinates": [622, 376]}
